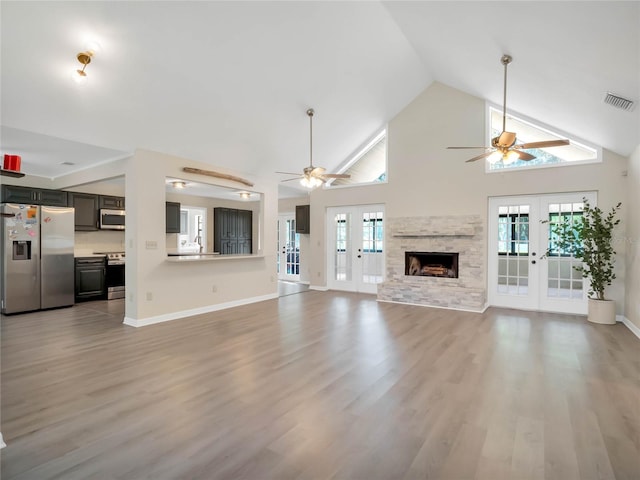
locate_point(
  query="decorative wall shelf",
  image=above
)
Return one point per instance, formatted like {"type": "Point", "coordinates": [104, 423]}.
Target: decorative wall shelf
{"type": "Point", "coordinates": [11, 173]}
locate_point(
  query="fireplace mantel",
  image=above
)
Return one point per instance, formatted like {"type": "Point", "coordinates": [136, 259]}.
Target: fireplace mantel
{"type": "Point", "coordinates": [463, 231]}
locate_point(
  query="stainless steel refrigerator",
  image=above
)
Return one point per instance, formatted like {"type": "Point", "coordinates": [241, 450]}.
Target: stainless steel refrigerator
{"type": "Point", "coordinates": [37, 257]}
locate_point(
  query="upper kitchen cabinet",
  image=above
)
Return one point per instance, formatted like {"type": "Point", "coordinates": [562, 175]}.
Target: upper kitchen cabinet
{"type": "Point", "coordinates": [114, 203]}
{"type": "Point", "coordinates": [302, 219]}
{"type": "Point", "coordinates": [86, 205]}
{"type": "Point", "coordinates": [172, 217]}
{"type": "Point", "coordinates": [36, 196]}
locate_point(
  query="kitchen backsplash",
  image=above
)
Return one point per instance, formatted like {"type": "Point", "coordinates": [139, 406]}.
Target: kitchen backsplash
{"type": "Point", "coordinates": [87, 243]}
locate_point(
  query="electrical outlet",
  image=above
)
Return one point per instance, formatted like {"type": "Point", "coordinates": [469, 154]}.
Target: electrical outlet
{"type": "Point", "coordinates": [318, 275]}
{"type": "Point", "coordinates": [272, 279]}
{"type": "Point", "coordinates": [151, 244]}
{"type": "Point", "coordinates": [149, 296]}
{"type": "Point", "coordinates": [214, 289]}
{"type": "Point", "coordinates": [131, 297]}
{"type": "Point", "coordinates": [131, 243]}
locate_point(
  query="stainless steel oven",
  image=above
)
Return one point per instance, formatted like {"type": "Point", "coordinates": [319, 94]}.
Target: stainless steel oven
{"type": "Point", "coordinates": [114, 276]}
{"type": "Point", "coordinates": [111, 219]}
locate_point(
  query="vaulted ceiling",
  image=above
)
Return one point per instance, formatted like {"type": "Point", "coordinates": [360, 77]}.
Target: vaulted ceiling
{"type": "Point", "coordinates": [228, 83]}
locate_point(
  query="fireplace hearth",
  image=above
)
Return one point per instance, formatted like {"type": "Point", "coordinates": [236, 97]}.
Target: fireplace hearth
{"type": "Point", "coordinates": [431, 264]}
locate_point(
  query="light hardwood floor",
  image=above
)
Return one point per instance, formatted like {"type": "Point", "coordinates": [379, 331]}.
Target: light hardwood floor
{"type": "Point", "coordinates": [319, 385]}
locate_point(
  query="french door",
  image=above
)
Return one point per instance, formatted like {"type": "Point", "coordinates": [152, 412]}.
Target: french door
{"type": "Point", "coordinates": [355, 239]}
{"type": "Point", "coordinates": [519, 273]}
{"type": "Point", "coordinates": [288, 248]}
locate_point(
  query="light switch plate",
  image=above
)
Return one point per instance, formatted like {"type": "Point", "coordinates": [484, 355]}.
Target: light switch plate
{"type": "Point", "coordinates": [151, 244]}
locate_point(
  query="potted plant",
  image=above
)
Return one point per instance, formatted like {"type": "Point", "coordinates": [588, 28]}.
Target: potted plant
{"type": "Point", "coordinates": [588, 238]}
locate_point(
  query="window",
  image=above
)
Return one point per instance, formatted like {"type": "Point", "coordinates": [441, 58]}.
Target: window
{"type": "Point", "coordinates": [367, 166]}
{"type": "Point", "coordinates": [577, 152]}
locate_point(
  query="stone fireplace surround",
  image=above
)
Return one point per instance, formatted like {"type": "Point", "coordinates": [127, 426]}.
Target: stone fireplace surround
{"type": "Point", "coordinates": [461, 233]}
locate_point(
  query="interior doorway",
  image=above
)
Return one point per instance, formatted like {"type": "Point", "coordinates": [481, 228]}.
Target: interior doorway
{"type": "Point", "coordinates": [355, 248]}
{"type": "Point", "coordinates": [519, 274]}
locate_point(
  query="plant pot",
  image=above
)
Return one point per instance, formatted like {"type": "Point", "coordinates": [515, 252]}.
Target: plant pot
{"type": "Point", "coordinates": [602, 311]}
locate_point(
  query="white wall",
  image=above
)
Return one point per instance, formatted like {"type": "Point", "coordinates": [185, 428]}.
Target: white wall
{"type": "Point", "coordinates": [179, 287]}
{"type": "Point", "coordinates": [426, 179]}
{"type": "Point", "coordinates": [632, 298]}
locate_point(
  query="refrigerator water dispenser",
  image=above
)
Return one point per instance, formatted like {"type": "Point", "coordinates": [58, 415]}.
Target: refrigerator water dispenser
{"type": "Point", "coordinates": [21, 250]}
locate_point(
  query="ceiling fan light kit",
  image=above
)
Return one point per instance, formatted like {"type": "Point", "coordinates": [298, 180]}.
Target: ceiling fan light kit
{"type": "Point", "coordinates": [503, 147]}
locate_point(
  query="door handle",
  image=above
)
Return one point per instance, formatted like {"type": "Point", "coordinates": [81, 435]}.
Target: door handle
{"type": "Point", "coordinates": [533, 262]}
{"type": "Point", "coordinates": [359, 256]}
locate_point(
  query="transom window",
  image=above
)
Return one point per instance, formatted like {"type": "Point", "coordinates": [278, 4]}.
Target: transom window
{"type": "Point", "coordinates": [529, 131]}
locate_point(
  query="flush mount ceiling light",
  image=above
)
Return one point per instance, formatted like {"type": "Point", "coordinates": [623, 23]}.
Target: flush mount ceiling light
{"type": "Point", "coordinates": [244, 195]}
{"type": "Point", "coordinates": [178, 184]}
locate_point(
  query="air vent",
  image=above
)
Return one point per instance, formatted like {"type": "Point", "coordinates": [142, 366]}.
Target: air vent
{"type": "Point", "coordinates": [619, 102]}
{"type": "Point", "coordinates": [67, 163]}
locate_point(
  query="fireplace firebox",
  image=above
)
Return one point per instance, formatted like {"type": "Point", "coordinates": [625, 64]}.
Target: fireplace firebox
{"type": "Point", "coordinates": [431, 264]}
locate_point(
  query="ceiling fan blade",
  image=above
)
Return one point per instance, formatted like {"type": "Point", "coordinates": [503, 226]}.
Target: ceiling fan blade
{"type": "Point", "coordinates": [525, 156]}
{"type": "Point", "coordinates": [460, 148]}
{"type": "Point", "coordinates": [479, 157]}
{"type": "Point", "coordinates": [543, 144]}
{"type": "Point", "coordinates": [289, 173]}
{"type": "Point", "coordinates": [291, 179]}
{"type": "Point", "coordinates": [335, 175]}
{"type": "Point", "coordinates": [506, 139]}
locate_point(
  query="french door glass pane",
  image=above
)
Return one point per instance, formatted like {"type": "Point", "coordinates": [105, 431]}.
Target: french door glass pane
{"type": "Point", "coordinates": [372, 247]}
{"type": "Point", "coordinates": [342, 267]}
{"type": "Point", "coordinates": [563, 280]}
{"type": "Point", "coordinates": [513, 249]}
{"type": "Point", "coordinates": [292, 249]}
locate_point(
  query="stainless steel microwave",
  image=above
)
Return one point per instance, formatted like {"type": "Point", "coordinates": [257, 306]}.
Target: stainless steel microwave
{"type": "Point", "coordinates": [111, 219]}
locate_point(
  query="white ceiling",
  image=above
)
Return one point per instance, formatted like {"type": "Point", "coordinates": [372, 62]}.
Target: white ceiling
{"type": "Point", "coordinates": [228, 83]}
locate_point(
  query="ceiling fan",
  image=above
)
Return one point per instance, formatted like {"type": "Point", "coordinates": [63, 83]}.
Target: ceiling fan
{"type": "Point", "coordinates": [504, 147]}
{"type": "Point", "coordinates": [313, 177]}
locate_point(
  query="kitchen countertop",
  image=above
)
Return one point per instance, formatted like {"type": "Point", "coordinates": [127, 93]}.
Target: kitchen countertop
{"type": "Point", "coordinates": [206, 257]}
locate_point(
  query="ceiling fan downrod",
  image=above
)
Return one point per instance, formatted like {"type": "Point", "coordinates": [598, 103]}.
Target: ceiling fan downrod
{"type": "Point", "coordinates": [506, 60]}
{"type": "Point", "coordinates": [310, 112]}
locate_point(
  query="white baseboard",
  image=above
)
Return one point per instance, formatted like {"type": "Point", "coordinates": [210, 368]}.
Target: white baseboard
{"type": "Point", "coordinates": [437, 306]}
{"type": "Point", "coordinates": [2, 444]}
{"type": "Point", "coordinates": [627, 323]}
{"type": "Point", "coordinates": [142, 322]}
{"type": "Point", "coordinates": [318, 288]}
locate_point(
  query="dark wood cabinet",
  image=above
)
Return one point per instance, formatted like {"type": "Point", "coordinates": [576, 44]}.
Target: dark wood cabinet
{"type": "Point", "coordinates": [86, 207]}
{"type": "Point", "coordinates": [172, 217]}
{"type": "Point", "coordinates": [232, 231]}
{"type": "Point", "coordinates": [303, 219]}
{"type": "Point", "coordinates": [35, 196]}
{"type": "Point", "coordinates": [114, 203]}
{"type": "Point", "coordinates": [90, 278]}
